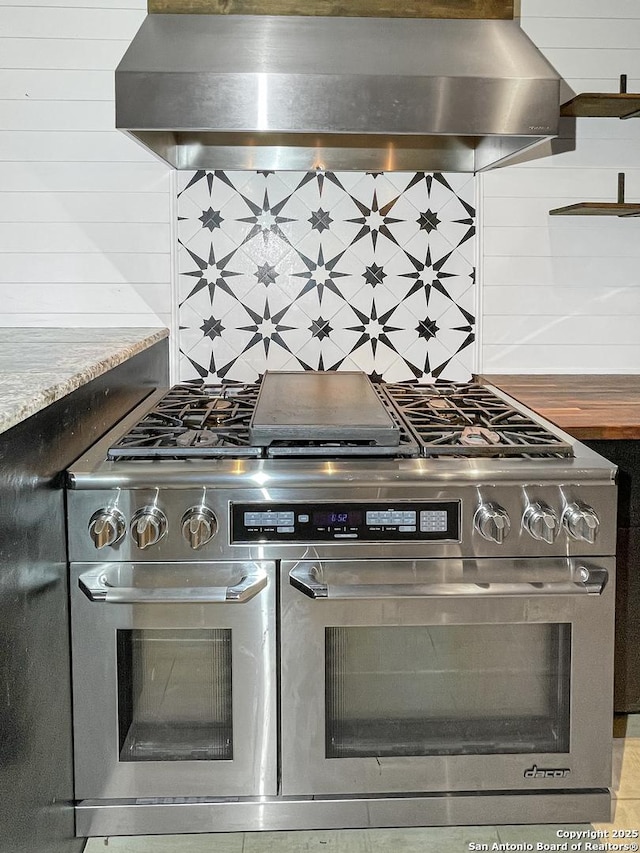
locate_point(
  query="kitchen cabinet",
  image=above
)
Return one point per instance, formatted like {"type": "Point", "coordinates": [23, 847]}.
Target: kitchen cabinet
{"type": "Point", "coordinates": [36, 784]}
{"type": "Point", "coordinates": [603, 411]}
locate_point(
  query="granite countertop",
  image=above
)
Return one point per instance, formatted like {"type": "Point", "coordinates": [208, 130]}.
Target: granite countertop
{"type": "Point", "coordinates": [587, 406]}
{"type": "Point", "coordinates": [40, 366]}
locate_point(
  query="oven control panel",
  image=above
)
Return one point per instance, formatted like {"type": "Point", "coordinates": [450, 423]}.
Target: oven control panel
{"type": "Point", "coordinates": [321, 522]}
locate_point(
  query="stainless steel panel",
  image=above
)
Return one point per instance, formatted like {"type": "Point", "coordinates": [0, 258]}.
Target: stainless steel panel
{"type": "Point", "coordinates": [311, 405]}
{"type": "Point", "coordinates": [218, 44]}
{"type": "Point", "coordinates": [437, 105]}
{"type": "Point", "coordinates": [306, 770]}
{"type": "Point", "coordinates": [305, 152]}
{"type": "Point", "coordinates": [95, 818]}
{"type": "Point", "coordinates": [377, 486]}
{"type": "Point", "coordinates": [99, 772]}
{"type": "Point", "coordinates": [262, 75]}
{"type": "Point", "coordinates": [240, 72]}
{"type": "Point", "coordinates": [92, 472]}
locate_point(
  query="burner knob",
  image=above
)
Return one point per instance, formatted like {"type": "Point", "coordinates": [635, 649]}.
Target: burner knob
{"type": "Point", "coordinates": [492, 521]}
{"type": "Point", "coordinates": [107, 527]}
{"type": "Point", "coordinates": [148, 526]}
{"type": "Point", "coordinates": [541, 522]}
{"type": "Point", "coordinates": [199, 526]}
{"type": "Point", "coordinates": [581, 522]}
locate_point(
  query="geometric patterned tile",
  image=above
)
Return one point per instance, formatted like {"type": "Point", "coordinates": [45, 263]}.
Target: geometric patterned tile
{"type": "Point", "coordinates": [326, 271]}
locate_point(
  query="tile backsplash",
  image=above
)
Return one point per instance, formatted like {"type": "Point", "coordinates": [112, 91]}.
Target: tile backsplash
{"type": "Point", "coordinates": [326, 271]}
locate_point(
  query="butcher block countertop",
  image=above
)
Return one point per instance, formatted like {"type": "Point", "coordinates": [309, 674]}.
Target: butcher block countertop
{"type": "Point", "coordinates": [40, 366]}
{"type": "Point", "coordinates": [587, 406]}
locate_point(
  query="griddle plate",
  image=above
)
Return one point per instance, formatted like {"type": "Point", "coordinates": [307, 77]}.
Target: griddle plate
{"type": "Point", "coordinates": [322, 406]}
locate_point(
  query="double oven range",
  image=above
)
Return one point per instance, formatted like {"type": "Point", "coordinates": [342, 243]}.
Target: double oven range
{"type": "Point", "coordinates": [316, 601]}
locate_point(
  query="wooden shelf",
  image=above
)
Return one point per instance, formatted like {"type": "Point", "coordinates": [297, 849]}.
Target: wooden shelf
{"type": "Point", "coordinates": [601, 208]}
{"type": "Point", "coordinates": [602, 105]}
{"type": "Point", "coordinates": [620, 104]}
{"type": "Point", "coordinates": [597, 208]}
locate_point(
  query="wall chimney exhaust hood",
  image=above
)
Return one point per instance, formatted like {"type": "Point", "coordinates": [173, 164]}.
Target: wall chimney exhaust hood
{"type": "Point", "coordinates": [303, 93]}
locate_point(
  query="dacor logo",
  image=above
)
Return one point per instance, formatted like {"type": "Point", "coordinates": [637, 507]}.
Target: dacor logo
{"type": "Point", "coordinates": [546, 773]}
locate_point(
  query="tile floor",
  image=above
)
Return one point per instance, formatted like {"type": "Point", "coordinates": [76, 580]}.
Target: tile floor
{"type": "Point", "coordinates": [626, 815]}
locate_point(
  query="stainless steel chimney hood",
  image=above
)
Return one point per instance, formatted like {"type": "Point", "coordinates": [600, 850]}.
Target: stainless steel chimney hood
{"type": "Point", "coordinates": [370, 94]}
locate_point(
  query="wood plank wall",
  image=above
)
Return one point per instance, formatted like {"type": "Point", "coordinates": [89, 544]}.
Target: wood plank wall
{"type": "Point", "coordinates": [344, 8]}
{"type": "Point", "coordinates": [85, 213]}
{"type": "Point", "coordinates": [562, 293]}
{"type": "Point", "coordinates": [85, 218]}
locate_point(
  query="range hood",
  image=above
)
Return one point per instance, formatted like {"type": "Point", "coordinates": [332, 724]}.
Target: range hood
{"type": "Point", "coordinates": [302, 93]}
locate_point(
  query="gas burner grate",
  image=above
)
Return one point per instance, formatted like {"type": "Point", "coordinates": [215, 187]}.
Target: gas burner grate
{"type": "Point", "coordinates": [201, 421]}
{"type": "Point", "coordinates": [193, 420]}
{"type": "Point", "coordinates": [470, 420]}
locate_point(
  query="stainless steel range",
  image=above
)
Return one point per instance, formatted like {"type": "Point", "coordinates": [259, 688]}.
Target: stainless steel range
{"type": "Point", "coordinates": [319, 602]}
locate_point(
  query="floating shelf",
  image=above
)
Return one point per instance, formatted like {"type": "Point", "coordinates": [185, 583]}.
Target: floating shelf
{"type": "Point", "coordinates": [597, 208]}
{"type": "Point", "coordinates": [620, 104]}
{"type": "Point", "coordinates": [601, 208]}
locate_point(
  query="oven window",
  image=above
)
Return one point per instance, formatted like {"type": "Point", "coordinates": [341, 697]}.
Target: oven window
{"type": "Point", "coordinates": [174, 695]}
{"type": "Point", "coordinates": [447, 690]}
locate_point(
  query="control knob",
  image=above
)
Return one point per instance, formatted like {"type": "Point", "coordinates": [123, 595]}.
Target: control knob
{"type": "Point", "coordinates": [107, 527]}
{"type": "Point", "coordinates": [581, 522]}
{"type": "Point", "coordinates": [148, 526]}
{"type": "Point", "coordinates": [541, 522]}
{"type": "Point", "coordinates": [492, 521]}
{"type": "Point", "coordinates": [199, 526]}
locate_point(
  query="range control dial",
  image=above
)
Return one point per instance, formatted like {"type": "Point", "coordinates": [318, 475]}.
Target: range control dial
{"type": "Point", "coordinates": [581, 522]}
{"type": "Point", "coordinates": [148, 526]}
{"type": "Point", "coordinates": [492, 521]}
{"type": "Point", "coordinates": [199, 526]}
{"type": "Point", "coordinates": [541, 522]}
{"type": "Point", "coordinates": [107, 527]}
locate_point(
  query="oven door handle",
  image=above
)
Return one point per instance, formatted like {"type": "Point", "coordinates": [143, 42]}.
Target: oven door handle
{"type": "Point", "coordinates": [95, 586]}
{"type": "Point", "coordinates": [306, 579]}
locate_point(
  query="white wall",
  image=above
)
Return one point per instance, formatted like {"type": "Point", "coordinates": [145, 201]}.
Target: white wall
{"type": "Point", "coordinates": [562, 294]}
{"type": "Point", "coordinates": [85, 213]}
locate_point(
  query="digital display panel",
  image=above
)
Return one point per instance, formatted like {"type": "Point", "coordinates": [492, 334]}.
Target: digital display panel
{"type": "Point", "coordinates": [371, 521]}
{"type": "Point", "coordinates": [331, 518]}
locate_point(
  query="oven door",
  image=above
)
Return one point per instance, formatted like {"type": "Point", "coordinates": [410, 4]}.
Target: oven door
{"type": "Point", "coordinates": [174, 679]}
{"type": "Point", "coordinates": [446, 675]}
